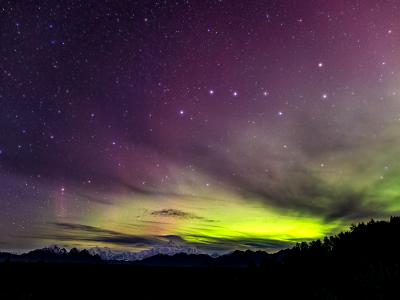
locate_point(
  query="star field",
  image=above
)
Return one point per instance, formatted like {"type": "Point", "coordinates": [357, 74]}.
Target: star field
{"type": "Point", "coordinates": [221, 124]}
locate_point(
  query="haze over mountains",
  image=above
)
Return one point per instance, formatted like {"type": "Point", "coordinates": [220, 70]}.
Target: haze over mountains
{"type": "Point", "coordinates": [108, 254]}
{"type": "Point", "coordinates": [170, 249]}
{"type": "Point", "coordinates": [165, 256]}
{"type": "Point", "coordinates": [362, 263]}
{"type": "Point", "coordinates": [373, 241]}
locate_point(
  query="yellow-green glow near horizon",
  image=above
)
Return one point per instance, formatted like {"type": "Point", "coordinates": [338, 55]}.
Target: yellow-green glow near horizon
{"type": "Point", "coordinates": [201, 134]}
{"type": "Point", "coordinates": [211, 221]}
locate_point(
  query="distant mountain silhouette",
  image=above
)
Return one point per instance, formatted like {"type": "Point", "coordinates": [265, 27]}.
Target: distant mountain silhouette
{"type": "Point", "coordinates": [171, 248]}
{"type": "Point", "coordinates": [53, 254]}
{"type": "Point", "coordinates": [177, 260]}
{"type": "Point", "coordinates": [236, 259]}
{"type": "Point", "coordinates": [373, 241]}
{"type": "Point", "coordinates": [362, 263]}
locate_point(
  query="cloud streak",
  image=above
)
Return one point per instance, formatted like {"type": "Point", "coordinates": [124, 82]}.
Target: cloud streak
{"type": "Point", "coordinates": [175, 213]}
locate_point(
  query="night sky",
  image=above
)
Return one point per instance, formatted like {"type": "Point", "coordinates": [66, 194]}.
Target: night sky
{"type": "Point", "coordinates": [214, 124]}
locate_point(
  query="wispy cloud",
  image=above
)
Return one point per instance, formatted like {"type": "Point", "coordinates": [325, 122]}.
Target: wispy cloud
{"type": "Point", "coordinates": [175, 213]}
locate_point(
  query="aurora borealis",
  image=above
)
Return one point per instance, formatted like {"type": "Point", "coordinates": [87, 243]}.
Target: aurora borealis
{"type": "Point", "coordinates": [215, 124]}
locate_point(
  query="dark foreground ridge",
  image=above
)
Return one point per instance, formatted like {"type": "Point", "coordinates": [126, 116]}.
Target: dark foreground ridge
{"type": "Point", "coordinates": [362, 263]}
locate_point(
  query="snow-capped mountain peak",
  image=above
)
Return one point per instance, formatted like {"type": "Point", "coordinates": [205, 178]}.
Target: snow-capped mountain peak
{"type": "Point", "coordinates": [170, 248]}
{"type": "Point", "coordinates": [55, 249]}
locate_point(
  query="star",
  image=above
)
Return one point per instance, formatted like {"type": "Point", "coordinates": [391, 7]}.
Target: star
{"type": "Point", "coordinates": [196, 106]}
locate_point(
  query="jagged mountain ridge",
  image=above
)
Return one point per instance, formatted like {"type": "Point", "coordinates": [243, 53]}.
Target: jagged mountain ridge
{"type": "Point", "coordinates": [169, 250]}
{"type": "Point", "coordinates": [106, 254]}
{"type": "Point", "coordinates": [375, 242]}
{"type": "Point", "coordinates": [52, 254]}
{"type": "Point", "coordinates": [165, 256]}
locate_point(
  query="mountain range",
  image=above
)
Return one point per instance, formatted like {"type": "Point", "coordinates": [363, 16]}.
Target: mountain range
{"type": "Point", "coordinates": [365, 241]}
{"type": "Point", "coordinates": [169, 249]}
{"type": "Point", "coordinates": [160, 257]}
{"type": "Point", "coordinates": [361, 263]}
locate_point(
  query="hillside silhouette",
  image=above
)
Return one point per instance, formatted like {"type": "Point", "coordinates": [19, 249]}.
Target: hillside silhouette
{"type": "Point", "coordinates": [362, 263]}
